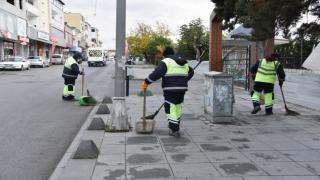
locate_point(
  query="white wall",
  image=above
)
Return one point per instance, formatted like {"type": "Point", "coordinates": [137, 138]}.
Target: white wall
{"type": "Point", "coordinates": [57, 17]}
{"type": "Point", "coordinates": [44, 17]}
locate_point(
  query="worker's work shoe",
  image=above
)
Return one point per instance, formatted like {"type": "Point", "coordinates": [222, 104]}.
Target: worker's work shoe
{"type": "Point", "coordinates": [255, 110]}
{"type": "Point", "coordinates": [174, 133]}
{"type": "Point", "coordinates": [269, 113]}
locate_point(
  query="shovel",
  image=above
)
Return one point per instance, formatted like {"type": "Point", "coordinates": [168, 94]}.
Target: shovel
{"type": "Point", "coordinates": [145, 126]}
{"type": "Point", "coordinates": [289, 112]}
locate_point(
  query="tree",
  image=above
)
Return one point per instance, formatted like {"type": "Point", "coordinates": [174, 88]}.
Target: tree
{"type": "Point", "coordinates": [194, 40]}
{"type": "Point", "coordinates": [265, 17]}
{"type": "Point", "coordinates": [155, 48]}
{"type": "Point", "coordinates": [142, 35]}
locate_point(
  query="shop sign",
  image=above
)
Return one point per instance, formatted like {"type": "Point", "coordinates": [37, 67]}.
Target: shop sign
{"type": "Point", "coordinates": [23, 40]}
{"type": "Point", "coordinates": [21, 27]}
{"type": "Point", "coordinates": [43, 36]}
{"type": "Point", "coordinates": [54, 39]}
{"type": "Point", "coordinates": [6, 35]}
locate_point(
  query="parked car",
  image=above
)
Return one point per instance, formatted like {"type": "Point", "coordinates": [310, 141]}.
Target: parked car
{"type": "Point", "coordinates": [38, 61]}
{"type": "Point", "coordinates": [57, 59]}
{"type": "Point", "coordinates": [15, 62]}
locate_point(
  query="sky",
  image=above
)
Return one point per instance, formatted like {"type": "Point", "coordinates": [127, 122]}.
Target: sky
{"type": "Point", "coordinates": [173, 13]}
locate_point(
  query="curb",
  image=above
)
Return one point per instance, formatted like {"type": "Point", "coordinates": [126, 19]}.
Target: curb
{"type": "Point", "coordinates": [83, 134]}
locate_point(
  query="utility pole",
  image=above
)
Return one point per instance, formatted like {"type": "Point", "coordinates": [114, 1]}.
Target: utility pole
{"type": "Point", "coordinates": [119, 88]}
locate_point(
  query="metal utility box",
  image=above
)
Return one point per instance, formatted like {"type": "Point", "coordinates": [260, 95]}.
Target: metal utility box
{"type": "Point", "coordinates": [218, 98]}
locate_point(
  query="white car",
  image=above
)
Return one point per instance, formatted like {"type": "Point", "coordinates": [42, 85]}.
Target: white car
{"type": "Point", "coordinates": [38, 61]}
{"type": "Point", "coordinates": [15, 62]}
{"type": "Point", "coordinates": [57, 59]}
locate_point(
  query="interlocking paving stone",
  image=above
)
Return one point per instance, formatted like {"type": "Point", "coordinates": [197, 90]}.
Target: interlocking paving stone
{"type": "Point", "coordinates": [180, 148]}
{"type": "Point", "coordinates": [102, 172]}
{"type": "Point", "coordinates": [194, 170]}
{"type": "Point", "coordinates": [239, 169]}
{"type": "Point", "coordinates": [144, 148]}
{"type": "Point", "coordinates": [226, 157]}
{"type": "Point", "coordinates": [266, 156]}
{"type": "Point", "coordinates": [283, 168]}
{"type": "Point", "coordinates": [144, 158]}
{"type": "Point", "coordinates": [187, 158]}
{"type": "Point", "coordinates": [142, 140]}
{"type": "Point", "coordinates": [149, 171]}
{"type": "Point", "coordinates": [111, 160]}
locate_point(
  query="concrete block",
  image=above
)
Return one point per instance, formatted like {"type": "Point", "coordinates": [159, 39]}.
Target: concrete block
{"type": "Point", "coordinates": [103, 109]}
{"type": "Point", "coordinates": [107, 100]}
{"type": "Point", "coordinates": [97, 124]}
{"type": "Point", "coordinates": [86, 150]}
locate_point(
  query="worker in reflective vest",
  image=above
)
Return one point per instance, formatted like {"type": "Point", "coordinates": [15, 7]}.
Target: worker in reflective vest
{"type": "Point", "coordinates": [264, 73]}
{"type": "Point", "coordinates": [175, 73]}
{"type": "Point", "coordinates": [70, 74]}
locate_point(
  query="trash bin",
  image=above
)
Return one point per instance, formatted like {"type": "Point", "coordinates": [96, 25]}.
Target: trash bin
{"type": "Point", "coordinates": [218, 98]}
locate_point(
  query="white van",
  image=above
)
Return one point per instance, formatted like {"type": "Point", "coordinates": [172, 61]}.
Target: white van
{"type": "Point", "coordinates": [96, 57]}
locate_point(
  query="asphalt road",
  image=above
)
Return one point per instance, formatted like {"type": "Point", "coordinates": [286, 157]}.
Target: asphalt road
{"type": "Point", "coordinates": [36, 125]}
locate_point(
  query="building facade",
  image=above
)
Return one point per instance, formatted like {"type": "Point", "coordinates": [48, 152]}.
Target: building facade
{"type": "Point", "coordinates": [57, 26]}
{"type": "Point", "coordinates": [13, 29]}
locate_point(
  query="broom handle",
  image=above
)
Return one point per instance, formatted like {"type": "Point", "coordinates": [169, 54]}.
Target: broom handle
{"type": "Point", "coordinates": [82, 82]}
{"type": "Point", "coordinates": [144, 109]}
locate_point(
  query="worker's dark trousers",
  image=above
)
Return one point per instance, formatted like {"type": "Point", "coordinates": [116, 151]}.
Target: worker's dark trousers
{"type": "Point", "coordinates": [69, 88]}
{"type": "Point", "coordinates": [267, 89]}
{"type": "Point", "coordinates": [173, 108]}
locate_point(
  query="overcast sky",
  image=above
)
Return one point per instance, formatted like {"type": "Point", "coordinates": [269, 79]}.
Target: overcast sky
{"type": "Point", "coordinates": [173, 13]}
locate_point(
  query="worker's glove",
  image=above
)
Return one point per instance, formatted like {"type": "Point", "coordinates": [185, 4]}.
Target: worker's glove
{"type": "Point", "coordinates": [280, 83]}
{"type": "Point", "coordinates": [81, 73]}
{"type": "Point", "coordinates": [144, 86]}
{"type": "Point", "coordinates": [253, 76]}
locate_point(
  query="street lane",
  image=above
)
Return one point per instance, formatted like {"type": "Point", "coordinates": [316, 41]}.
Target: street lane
{"type": "Point", "coordinates": [36, 125]}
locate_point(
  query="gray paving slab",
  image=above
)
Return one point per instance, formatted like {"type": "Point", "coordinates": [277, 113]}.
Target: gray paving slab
{"type": "Point", "coordinates": [193, 131]}
{"type": "Point", "coordinates": [209, 138]}
{"type": "Point", "coordinates": [194, 170]}
{"type": "Point", "coordinates": [180, 148]}
{"type": "Point", "coordinates": [313, 167]}
{"type": "Point", "coordinates": [78, 168]}
{"type": "Point", "coordinates": [103, 172]}
{"type": "Point", "coordinates": [76, 178]}
{"type": "Point", "coordinates": [282, 178]}
{"type": "Point", "coordinates": [253, 146]}
{"type": "Point", "coordinates": [309, 155]}
{"type": "Point", "coordinates": [311, 144]}
{"type": "Point", "coordinates": [213, 147]}
{"type": "Point", "coordinates": [137, 159]}
{"type": "Point", "coordinates": [111, 160]}
{"type": "Point", "coordinates": [175, 140]}
{"type": "Point", "coordinates": [226, 157]}
{"type": "Point", "coordinates": [148, 139]}
{"type": "Point", "coordinates": [144, 148]}
{"type": "Point", "coordinates": [114, 140]}
{"type": "Point", "coordinates": [194, 157]}
{"type": "Point", "coordinates": [149, 171]}
{"type": "Point", "coordinates": [215, 178]}
{"type": "Point", "coordinates": [239, 169]}
{"type": "Point", "coordinates": [266, 156]}
{"type": "Point", "coordinates": [283, 168]}
{"type": "Point", "coordinates": [108, 149]}
{"type": "Point", "coordinates": [287, 145]}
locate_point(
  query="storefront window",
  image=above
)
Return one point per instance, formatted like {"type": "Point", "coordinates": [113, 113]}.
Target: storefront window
{"type": "Point", "coordinates": [8, 48]}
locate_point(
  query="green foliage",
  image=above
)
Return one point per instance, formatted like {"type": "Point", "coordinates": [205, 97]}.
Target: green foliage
{"type": "Point", "coordinates": [194, 40]}
{"type": "Point", "coordinates": [265, 17]}
{"type": "Point", "coordinates": [155, 48]}
{"type": "Point", "coordinates": [140, 38]}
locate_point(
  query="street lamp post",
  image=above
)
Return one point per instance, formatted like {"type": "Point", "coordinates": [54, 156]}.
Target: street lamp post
{"type": "Point", "coordinates": [119, 88]}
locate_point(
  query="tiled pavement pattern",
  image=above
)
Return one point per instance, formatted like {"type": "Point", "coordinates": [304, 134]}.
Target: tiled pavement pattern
{"type": "Point", "coordinates": [258, 147]}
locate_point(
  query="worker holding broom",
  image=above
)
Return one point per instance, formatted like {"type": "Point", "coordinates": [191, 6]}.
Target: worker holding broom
{"type": "Point", "coordinates": [70, 74]}
{"type": "Point", "coordinates": [264, 73]}
{"type": "Point", "coordinates": [175, 73]}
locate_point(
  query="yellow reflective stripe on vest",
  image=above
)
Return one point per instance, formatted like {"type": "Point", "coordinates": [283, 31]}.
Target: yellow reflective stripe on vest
{"type": "Point", "coordinates": [174, 69]}
{"type": "Point", "coordinates": [267, 71]}
{"type": "Point", "coordinates": [69, 62]}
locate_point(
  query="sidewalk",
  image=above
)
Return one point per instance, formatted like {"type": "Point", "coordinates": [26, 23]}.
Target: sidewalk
{"type": "Point", "coordinates": [255, 147]}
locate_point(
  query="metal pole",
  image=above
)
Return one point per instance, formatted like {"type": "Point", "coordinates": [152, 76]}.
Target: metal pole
{"type": "Point", "coordinates": [301, 51]}
{"type": "Point", "coordinates": [119, 88]}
